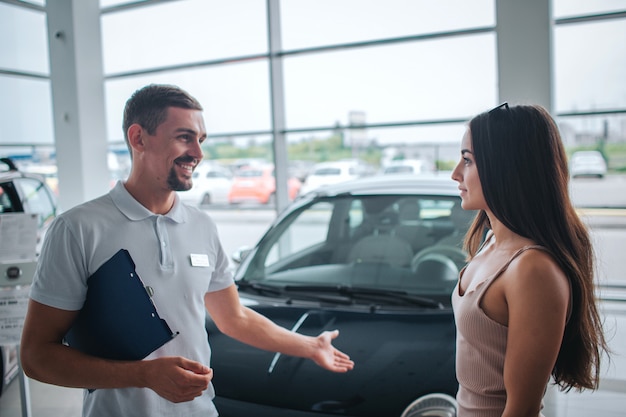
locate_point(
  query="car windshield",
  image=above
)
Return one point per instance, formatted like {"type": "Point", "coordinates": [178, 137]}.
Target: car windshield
{"type": "Point", "coordinates": [397, 245]}
{"type": "Point", "coordinates": [589, 158]}
{"type": "Point", "coordinates": [327, 171]}
{"type": "Point", "coordinates": [397, 169]}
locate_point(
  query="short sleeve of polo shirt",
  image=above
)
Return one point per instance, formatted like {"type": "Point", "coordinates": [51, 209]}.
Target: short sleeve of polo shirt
{"type": "Point", "coordinates": [60, 279]}
{"type": "Point", "coordinates": [222, 277]}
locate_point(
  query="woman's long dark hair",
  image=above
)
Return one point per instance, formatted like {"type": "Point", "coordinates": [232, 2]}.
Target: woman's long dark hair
{"type": "Point", "coordinates": [524, 175]}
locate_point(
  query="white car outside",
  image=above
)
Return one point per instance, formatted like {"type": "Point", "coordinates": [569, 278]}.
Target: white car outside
{"type": "Point", "coordinates": [409, 166]}
{"type": "Point", "coordinates": [587, 164]}
{"type": "Point", "coordinates": [325, 173]}
{"type": "Point", "coordinates": [211, 185]}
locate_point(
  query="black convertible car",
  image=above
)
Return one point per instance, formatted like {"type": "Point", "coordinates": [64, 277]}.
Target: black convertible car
{"type": "Point", "coordinates": [376, 258]}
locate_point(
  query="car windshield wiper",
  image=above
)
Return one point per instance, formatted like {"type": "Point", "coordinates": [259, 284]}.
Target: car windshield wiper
{"type": "Point", "coordinates": [259, 288]}
{"type": "Point", "coordinates": [368, 293]}
{"type": "Point", "coordinates": [272, 290]}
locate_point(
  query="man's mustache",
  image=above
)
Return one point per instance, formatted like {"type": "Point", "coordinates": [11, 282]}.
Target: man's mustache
{"type": "Point", "coordinates": [185, 159]}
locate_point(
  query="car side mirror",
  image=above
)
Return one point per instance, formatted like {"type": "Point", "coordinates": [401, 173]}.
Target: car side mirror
{"type": "Point", "coordinates": [240, 254]}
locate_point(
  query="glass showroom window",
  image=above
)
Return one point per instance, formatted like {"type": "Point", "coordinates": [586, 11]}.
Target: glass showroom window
{"type": "Point", "coordinates": [590, 95]}
{"type": "Point", "coordinates": [569, 8]}
{"type": "Point", "coordinates": [438, 144]}
{"type": "Point", "coordinates": [182, 32]}
{"type": "Point", "coordinates": [235, 97]}
{"type": "Point", "coordinates": [26, 116]}
{"type": "Point", "coordinates": [392, 83]}
{"type": "Point", "coordinates": [24, 40]}
{"type": "Point", "coordinates": [589, 72]}
{"type": "Point", "coordinates": [349, 21]}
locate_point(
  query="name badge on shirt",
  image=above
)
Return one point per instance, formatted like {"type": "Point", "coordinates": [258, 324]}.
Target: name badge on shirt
{"type": "Point", "coordinates": [199, 259]}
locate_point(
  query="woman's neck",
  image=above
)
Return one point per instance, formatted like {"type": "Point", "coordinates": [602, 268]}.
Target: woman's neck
{"type": "Point", "coordinates": [504, 238]}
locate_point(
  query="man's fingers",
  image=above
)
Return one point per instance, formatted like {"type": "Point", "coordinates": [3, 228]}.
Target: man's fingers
{"type": "Point", "coordinates": [179, 379]}
{"type": "Point", "coordinates": [195, 367]}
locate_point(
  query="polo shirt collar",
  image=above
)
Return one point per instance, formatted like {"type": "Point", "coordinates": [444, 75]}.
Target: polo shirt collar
{"type": "Point", "coordinates": [134, 210]}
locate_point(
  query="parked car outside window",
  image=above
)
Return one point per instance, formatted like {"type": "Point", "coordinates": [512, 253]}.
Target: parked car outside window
{"type": "Point", "coordinates": [587, 164]}
{"type": "Point", "coordinates": [325, 173]}
{"type": "Point", "coordinates": [257, 184]}
{"type": "Point", "coordinates": [409, 166]}
{"type": "Point", "coordinates": [47, 171]}
{"type": "Point", "coordinates": [22, 192]}
{"type": "Point", "coordinates": [211, 185]}
{"type": "Point", "coordinates": [376, 258]}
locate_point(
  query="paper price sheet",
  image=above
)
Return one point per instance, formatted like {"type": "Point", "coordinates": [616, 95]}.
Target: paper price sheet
{"type": "Point", "coordinates": [13, 306]}
{"type": "Point", "coordinates": [18, 236]}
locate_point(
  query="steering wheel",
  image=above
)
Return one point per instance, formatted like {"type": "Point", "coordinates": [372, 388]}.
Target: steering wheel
{"type": "Point", "coordinates": [445, 254]}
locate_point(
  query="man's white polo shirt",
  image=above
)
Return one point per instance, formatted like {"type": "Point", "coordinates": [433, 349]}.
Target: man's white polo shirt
{"type": "Point", "coordinates": [178, 255]}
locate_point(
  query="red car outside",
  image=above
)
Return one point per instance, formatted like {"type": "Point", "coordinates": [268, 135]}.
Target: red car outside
{"type": "Point", "coordinates": [258, 184]}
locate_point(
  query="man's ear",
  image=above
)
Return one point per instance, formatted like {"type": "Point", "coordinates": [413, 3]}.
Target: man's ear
{"type": "Point", "coordinates": [136, 137]}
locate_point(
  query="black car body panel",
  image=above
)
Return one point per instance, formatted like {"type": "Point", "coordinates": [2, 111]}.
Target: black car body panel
{"type": "Point", "coordinates": [391, 369]}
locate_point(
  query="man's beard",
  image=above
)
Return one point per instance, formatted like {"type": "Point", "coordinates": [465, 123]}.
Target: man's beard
{"type": "Point", "coordinates": [174, 182]}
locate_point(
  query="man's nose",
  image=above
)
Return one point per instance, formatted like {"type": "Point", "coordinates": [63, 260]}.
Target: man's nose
{"type": "Point", "coordinates": [196, 151]}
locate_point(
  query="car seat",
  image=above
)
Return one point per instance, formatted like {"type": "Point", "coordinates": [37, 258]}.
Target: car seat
{"type": "Point", "coordinates": [382, 245]}
{"type": "Point", "coordinates": [410, 226]}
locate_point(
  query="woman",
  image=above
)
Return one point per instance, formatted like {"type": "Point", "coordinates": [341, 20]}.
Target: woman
{"type": "Point", "coordinates": [524, 305]}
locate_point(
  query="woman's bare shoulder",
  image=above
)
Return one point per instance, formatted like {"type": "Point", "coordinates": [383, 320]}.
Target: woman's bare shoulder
{"type": "Point", "coordinates": [536, 270]}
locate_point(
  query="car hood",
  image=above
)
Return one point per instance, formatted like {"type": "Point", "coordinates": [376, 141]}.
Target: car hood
{"type": "Point", "coordinates": [399, 355]}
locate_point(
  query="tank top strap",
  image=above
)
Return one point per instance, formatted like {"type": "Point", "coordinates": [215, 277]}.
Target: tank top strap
{"type": "Point", "coordinates": [516, 254]}
{"type": "Point", "coordinates": [487, 239]}
{"type": "Point", "coordinates": [543, 248]}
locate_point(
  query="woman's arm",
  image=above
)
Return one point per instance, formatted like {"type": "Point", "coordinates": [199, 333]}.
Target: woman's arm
{"type": "Point", "coordinates": [537, 294]}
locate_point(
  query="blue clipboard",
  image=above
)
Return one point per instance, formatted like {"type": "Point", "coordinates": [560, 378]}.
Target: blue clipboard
{"type": "Point", "coordinates": [118, 320]}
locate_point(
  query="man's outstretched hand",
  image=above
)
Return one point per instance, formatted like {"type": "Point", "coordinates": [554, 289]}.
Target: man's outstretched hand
{"type": "Point", "coordinates": [328, 357]}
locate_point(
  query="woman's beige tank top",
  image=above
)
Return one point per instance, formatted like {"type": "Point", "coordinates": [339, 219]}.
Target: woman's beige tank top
{"type": "Point", "coordinates": [480, 349]}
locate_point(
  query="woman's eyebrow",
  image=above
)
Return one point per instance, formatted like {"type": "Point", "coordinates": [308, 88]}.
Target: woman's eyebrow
{"type": "Point", "coordinates": [466, 151]}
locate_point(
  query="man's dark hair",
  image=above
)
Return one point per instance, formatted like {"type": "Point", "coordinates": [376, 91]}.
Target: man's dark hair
{"type": "Point", "coordinates": [148, 106]}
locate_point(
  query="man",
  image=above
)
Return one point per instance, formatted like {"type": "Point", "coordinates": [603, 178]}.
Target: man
{"type": "Point", "coordinates": [164, 128]}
